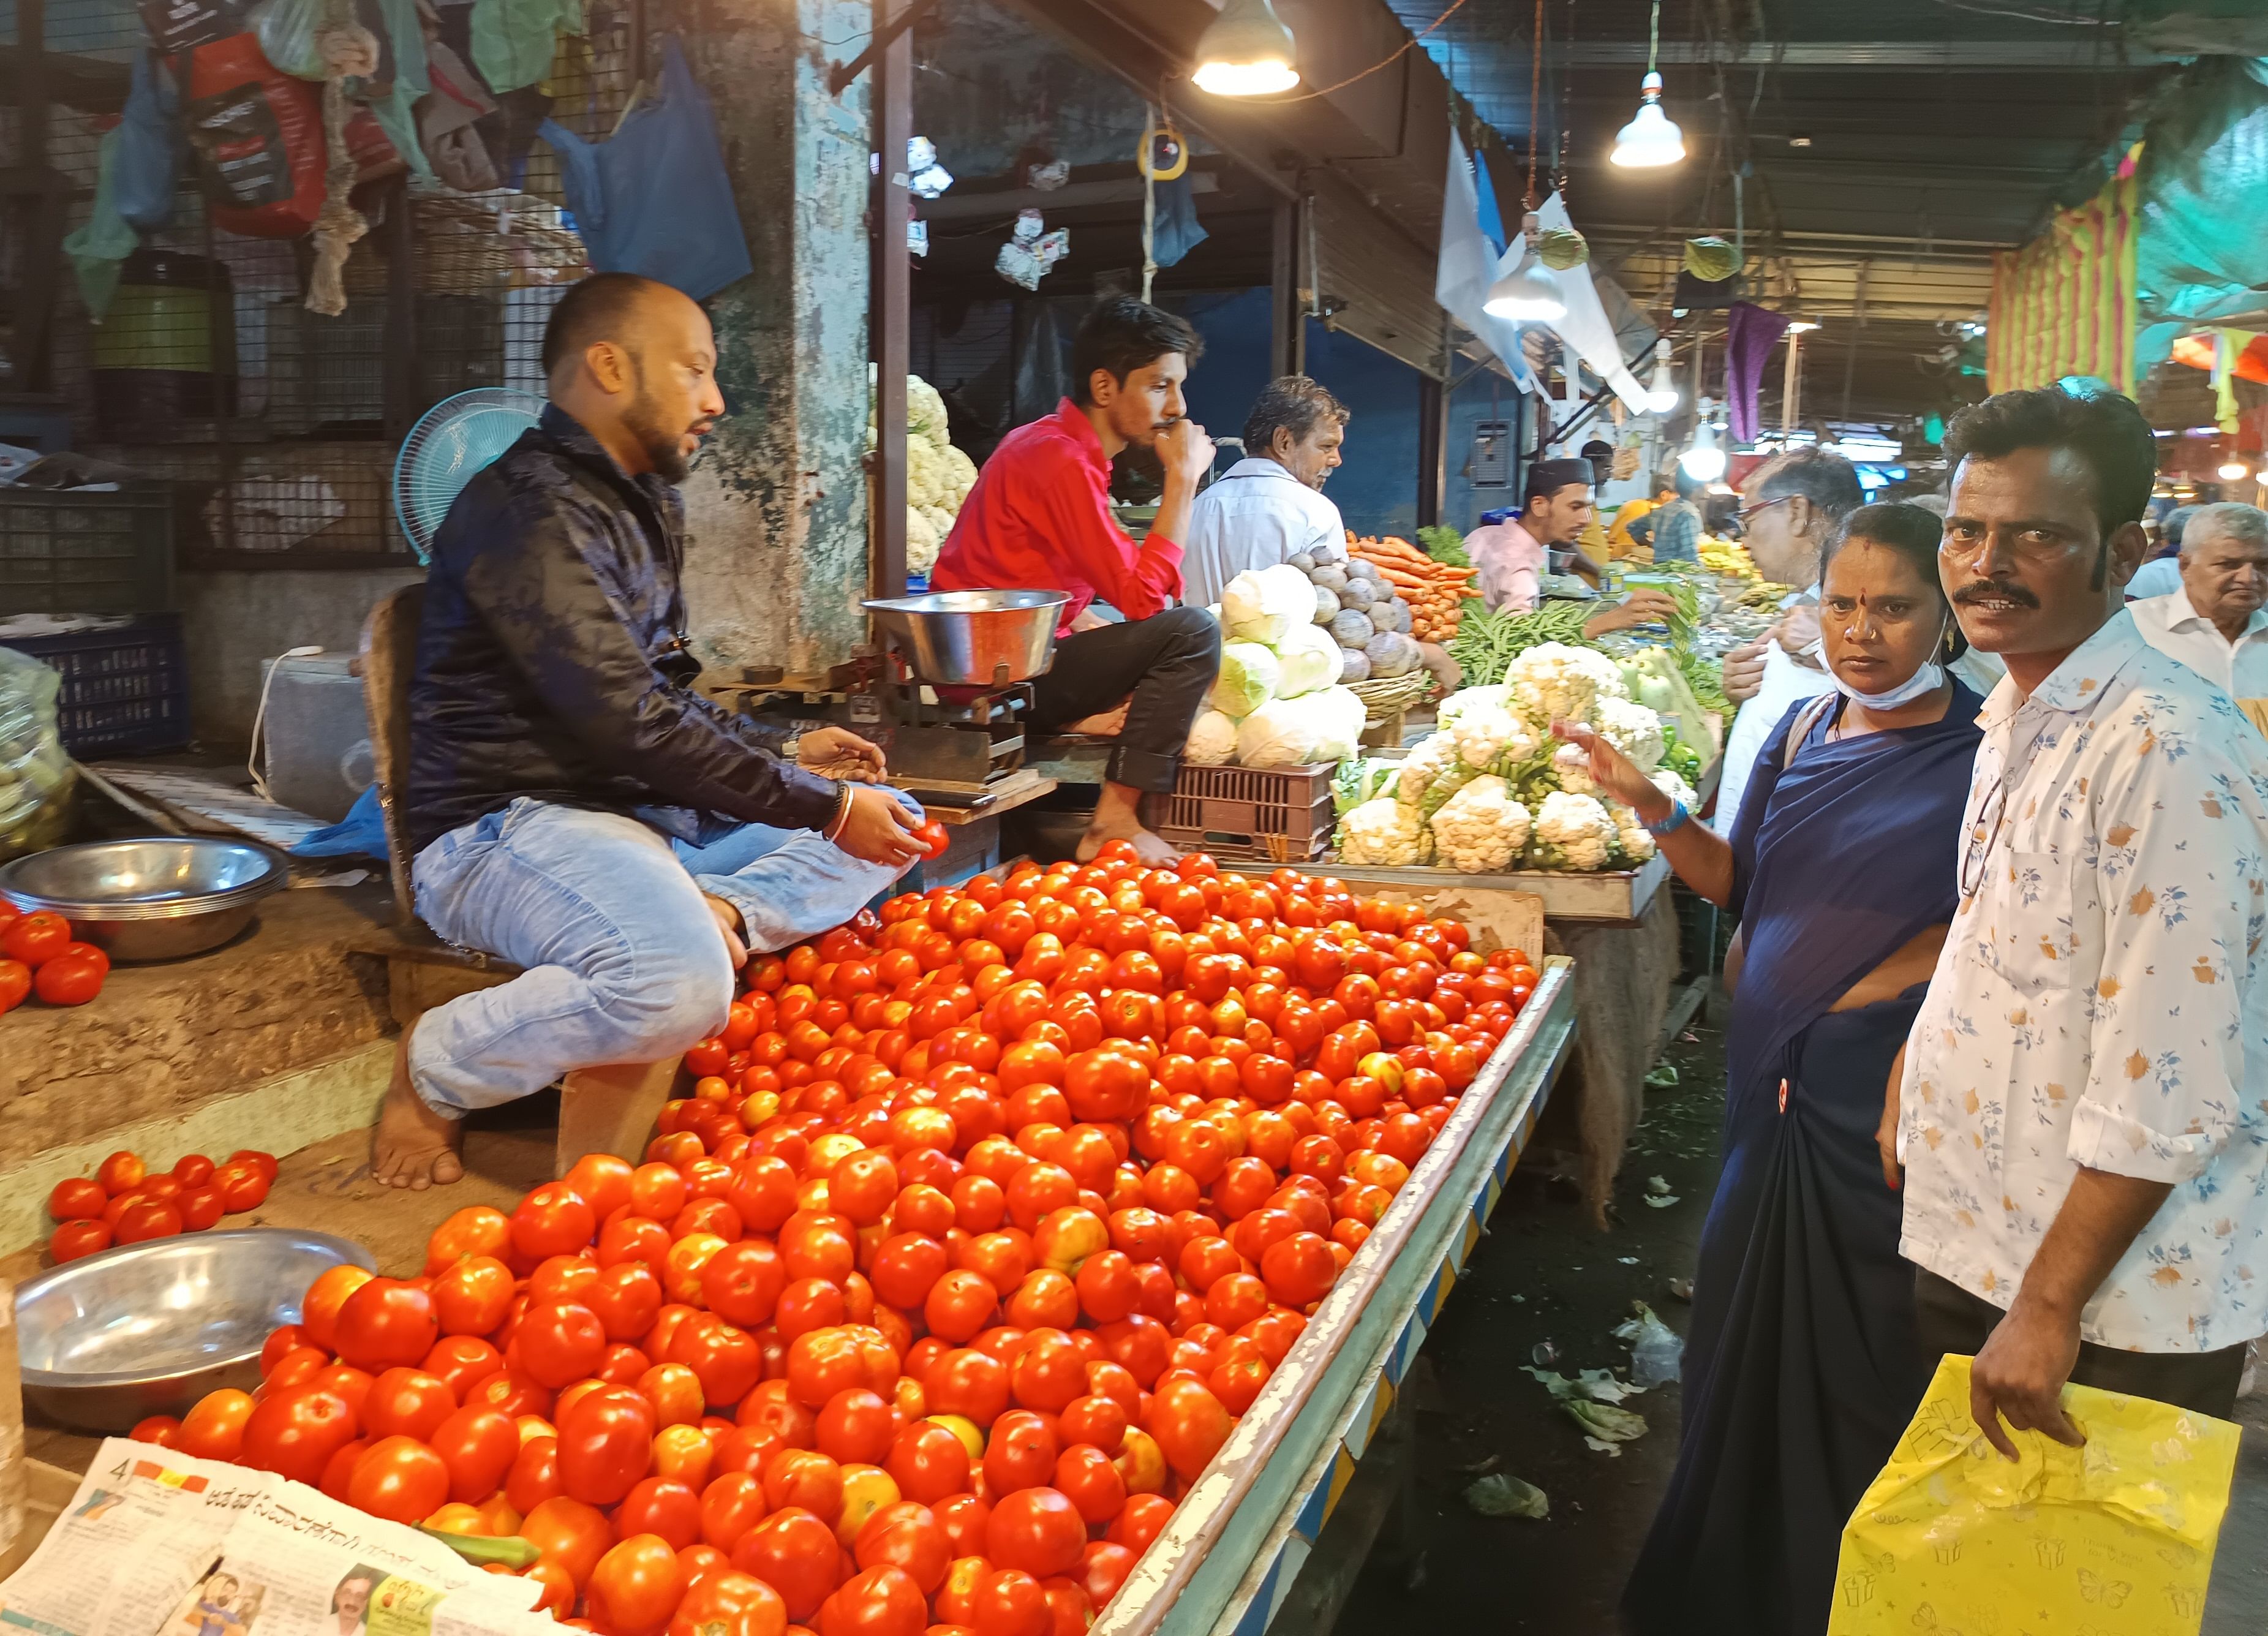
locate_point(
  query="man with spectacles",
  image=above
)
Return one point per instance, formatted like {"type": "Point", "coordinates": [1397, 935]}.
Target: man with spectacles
{"type": "Point", "coordinates": [2079, 1105]}
{"type": "Point", "coordinates": [1788, 507]}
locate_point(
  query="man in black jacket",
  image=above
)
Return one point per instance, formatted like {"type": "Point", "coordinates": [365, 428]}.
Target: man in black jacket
{"type": "Point", "coordinates": [578, 807]}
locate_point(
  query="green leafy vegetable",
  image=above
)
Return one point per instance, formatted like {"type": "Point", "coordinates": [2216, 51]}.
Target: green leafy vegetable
{"type": "Point", "coordinates": [1604, 1421]}
{"type": "Point", "coordinates": [1444, 545]}
{"type": "Point", "coordinates": [1496, 1495]}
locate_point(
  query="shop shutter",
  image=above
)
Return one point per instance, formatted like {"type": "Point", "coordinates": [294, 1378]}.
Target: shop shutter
{"type": "Point", "coordinates": [1376, 283]}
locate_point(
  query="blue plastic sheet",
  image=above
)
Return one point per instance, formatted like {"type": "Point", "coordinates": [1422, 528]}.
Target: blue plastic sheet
{"type": "Point", "coordinates": [655, 198]}
{"type": "Point", "coordinates": [2203, 256]}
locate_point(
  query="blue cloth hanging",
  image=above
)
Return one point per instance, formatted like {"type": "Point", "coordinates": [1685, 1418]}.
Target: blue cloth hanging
{"type": "Point", "coordinates": [1491, 213]}
{"type": "Point", "coordinates": [1175, 230]}
{"type": "Point", "coordinates": [654, 200]}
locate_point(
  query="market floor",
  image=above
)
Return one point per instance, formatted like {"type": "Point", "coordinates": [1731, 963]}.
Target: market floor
{"type": "Point", "coordinates": [1544, 1278]}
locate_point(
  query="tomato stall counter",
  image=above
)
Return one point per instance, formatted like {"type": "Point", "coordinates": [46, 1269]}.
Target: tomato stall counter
{"type": "Point", "coordinates": [1237, 1539]}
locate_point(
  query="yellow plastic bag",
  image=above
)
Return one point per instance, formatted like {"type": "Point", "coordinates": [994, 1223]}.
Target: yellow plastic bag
{"type": "Point", "coordinates": [2114, 1539]}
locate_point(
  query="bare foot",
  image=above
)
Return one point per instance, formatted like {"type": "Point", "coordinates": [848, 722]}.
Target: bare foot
{"type": "Point", "coordinates": [1104, 725]}
{"type": "Point", "coordinates": [1149, 848]}
{"type": "Point", "coordinates": [413, 1146]}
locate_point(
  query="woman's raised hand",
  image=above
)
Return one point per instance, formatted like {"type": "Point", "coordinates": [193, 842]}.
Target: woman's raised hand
{"type": "Point", "coordinates": [1612, 771]}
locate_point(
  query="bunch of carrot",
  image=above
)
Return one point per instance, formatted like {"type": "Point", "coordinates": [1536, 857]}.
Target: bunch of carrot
{"type": "Point", "coordinates": [1434, 591]}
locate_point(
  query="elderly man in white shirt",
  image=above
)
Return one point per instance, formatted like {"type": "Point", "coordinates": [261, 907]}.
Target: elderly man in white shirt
{"type": "Point", "coordinates": [2214, 622]}
{"type": "Point", "coordinates": [2079, 1104]}
{"type": "Point", "coordinates": [1268, 507]}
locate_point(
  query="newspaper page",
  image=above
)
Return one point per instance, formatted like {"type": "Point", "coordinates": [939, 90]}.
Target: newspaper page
{"type": "Point", "coordinates": [159, 1544]}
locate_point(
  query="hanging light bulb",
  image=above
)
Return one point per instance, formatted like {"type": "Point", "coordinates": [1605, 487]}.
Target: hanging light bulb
{"type": "Point", "coordinates": [2233, 470]}
{"type": "Point", "coordinates": [1661, 391]}
{"type": "Point", "coordinates": [1702, 461]}
{"type": "Point", "coordinates": [1650, 139]}
{"type": "Point", "coordinates": [1246, 52]}
{"type": "Point", "coordinates": [1528, 293]}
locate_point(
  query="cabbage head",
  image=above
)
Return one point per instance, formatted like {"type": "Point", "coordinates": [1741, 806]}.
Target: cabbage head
{"type": "Point", "coordinates": [1323, 727]}
{"type": "Point", "coordinates": [1260, 604]}
{"type": "Point", "coordinates": [1249, 676]}
{"type": "Point", "coordinates": [1309, 659]}
{"type": "Point", "coordinates": [1213, 738]}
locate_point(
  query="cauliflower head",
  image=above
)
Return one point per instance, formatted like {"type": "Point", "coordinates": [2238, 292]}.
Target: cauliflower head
{"type": "Point", "coordinates": [1634, 730]}
{"type": "Point", "coordinates": [1554, 681]}
{"type": "Point", "coordinates": [1426, 764]}
{"type": "Point", "coordinates": [1382, 831]}
{"type": "Point", "coordinates": [1489, 735]}
{"type": "Point", "coordinates": [1480, 830]}
{"type": "Point", "coordinates": [1469, 698]}
{"type": "Point", "coordinates": [1672, 784]}
{"type": "Point", "coordinates": [925, 474]}
{"type": "Point", "coordinates": [925, 417]}
{"type": "Point", "coordinates": [960, 473]}
{"type": "Point", "coordinates": [1632, 844]}
{"type": "Point", "coordinates": [922, 541]}
{"type": "Point", "coordinates": [1571, 832]}
{"type": "Point", "coordinates": [1571, 765]}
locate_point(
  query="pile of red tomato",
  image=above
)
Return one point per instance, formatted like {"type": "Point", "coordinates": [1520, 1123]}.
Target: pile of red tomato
{"type": "Point", "coordinates": [988, 1217]}
{"type": "Point", "coordinates": [39, 955]}
{"type": "Point", "coordinates": [125, 1202]}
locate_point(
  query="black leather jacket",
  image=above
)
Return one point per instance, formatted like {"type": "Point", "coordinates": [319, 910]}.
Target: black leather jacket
{"type": "Point", "coordinates": [552, 660]}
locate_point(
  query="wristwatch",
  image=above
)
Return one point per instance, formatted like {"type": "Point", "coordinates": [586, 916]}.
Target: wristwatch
{"type": "Point", "coordinates": [1676, 821]}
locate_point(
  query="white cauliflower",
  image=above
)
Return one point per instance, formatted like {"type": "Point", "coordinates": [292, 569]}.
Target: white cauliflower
{"type": "Point", "coordinates": [1632, 844]}
{"type": "Point", "coordinates": [1672, 784]}
{"type": "Point", "coordinates": [1383, 831]}
{"type": "Point", "coordinates": [961, 473]}
{"type": "Point", "coordinates": [926, 415]}
{"type": "Point", "coordinates": [923, 543]}
{"type": "Point", "coordinates": [1424, 765]}
{"type": "Point", "coordinates": [1571, 764]}
{"type": "Point", "coordinates": [925, 474]}
{"type": "Point", "coordinates": [1554, 681]}
{"type": "Point", "coordinates": [1632, 729]}
{"type": "Point", "coordinates": [1457, 704]}
{"type": "Point", "coordinates": [1213, 738]}
{"type": "Point", "coordinates": [1490, 735]}
{"type": "Point", "coordinates": [1571, 832]}
{"type": "Point", "coordinates": [1480, 830]}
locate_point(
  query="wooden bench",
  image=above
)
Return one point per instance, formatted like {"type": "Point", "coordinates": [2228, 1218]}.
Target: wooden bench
{"type": "Point", "coordinates": [602, 1109]}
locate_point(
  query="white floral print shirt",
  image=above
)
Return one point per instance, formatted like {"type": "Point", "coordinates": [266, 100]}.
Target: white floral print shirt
{"type": "Point", "coordinates": [2103, 999]}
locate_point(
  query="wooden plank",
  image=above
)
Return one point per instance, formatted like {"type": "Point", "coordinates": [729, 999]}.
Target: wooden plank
{"type": "Point", "coordinates": [612, 1110]}
{"type": "Point", "coordinates": [389, 660]}
{"type": "Point", "coordinates": [1612, 897]}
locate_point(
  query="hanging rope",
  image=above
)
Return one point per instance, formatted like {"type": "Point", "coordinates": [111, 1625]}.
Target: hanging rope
{"type": "Point", "coordinates": [348, 51]}
{"type": "Point", "coordinates": [1534, 99]}
{"type": "Point", "coordinates": [1387, 62]}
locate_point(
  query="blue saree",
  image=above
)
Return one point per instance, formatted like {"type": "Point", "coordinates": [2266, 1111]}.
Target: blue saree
{"type": "Point", "coordinates": [1801, 1366]}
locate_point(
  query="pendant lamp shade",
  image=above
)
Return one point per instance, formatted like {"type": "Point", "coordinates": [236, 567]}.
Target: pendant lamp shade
{"type": "Point", "coordinates": [1246, 51]}
{"type": "Point", "coordinates": [1650, 140]}
{"type": "Point", "coordinates": [1527, 294]}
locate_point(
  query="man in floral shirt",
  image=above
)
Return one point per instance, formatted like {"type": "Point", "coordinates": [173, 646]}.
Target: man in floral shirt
{"type": "Point", "coordinates": [2086, 1193]}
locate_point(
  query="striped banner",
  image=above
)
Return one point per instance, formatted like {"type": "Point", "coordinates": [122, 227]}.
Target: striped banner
{"type": "Point", "coordinates": [2063, 303]}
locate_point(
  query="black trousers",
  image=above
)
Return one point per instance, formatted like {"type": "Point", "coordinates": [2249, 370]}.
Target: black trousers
{"type": "Point", "coordinates": [1166, 661]}
{"type": "Point", "coordinates": [1952, 1320]}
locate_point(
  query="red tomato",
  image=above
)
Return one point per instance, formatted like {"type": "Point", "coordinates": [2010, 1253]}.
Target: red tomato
{"type": "Point", "coordinates": [74, 1239]}
{"type": "Point", "coordinates": [1037, 1530]}
{"type": "Point", "coordinates": [386, 1323]}
{"type": "Point", "coordinates": [881, 1601]}
{"type": "Point", "coordinates": [570, 1533]}
{"type": "Point", "coordinates": [928, 1462]}
{"type": "Point", "coordinates": [558, 1342]}
{"type": "Point", "coordinates": [1019, 1453]}
{"type": "Point", "coordinates": [297, 1432]}
{"type": "Point", "coordinates": [480, 1445]}
{"type": "Point", "coordinates": [797, 1555]}
{"type": "Point", "coordinates": [726, 1601]}
{"type": "Point", "coordinates": [906, 1536]}
{"type": "Point", "coordinates": [202, 1207]}
{"type": "Point", "coordinates": [933, 838]}
{"type": "Point", "coordinates": [242, 1186]}
{"type": "Point", "coordinates": [35, 939]}
{"type": "Point", "coordinates": [554, 1220]}
{"type": "Point", "coordinates": [71, 977]}
{"type": "Point", "coordinates": [661, 1506]}
{"type": "Point", "coordinates": [15, 983]}
{"type": "Point", "coordinates": [407, 1403]}
{"type": "Point", "coordinates": [121, 1173]}
{"type": "Point", "coordinates": [161, 1429]}
{"type": "Point", "coordinates": [399, 1478]}
{"type": "Point", "coordinates": [146, 1220]}
{"type": "Point", "coordinates": [79, 1198]}
{"type": "Point", "coordinates": [606, 1445]}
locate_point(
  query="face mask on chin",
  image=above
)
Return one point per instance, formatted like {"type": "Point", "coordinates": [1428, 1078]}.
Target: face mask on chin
{"type": "Point", "coordinates": [1924, 681]}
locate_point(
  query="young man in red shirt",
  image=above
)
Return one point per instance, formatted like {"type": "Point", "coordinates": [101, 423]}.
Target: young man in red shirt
{"type": "Point", "coordinates": [1039, 518]}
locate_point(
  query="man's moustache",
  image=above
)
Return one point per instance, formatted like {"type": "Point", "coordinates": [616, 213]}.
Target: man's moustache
{"type": "Point", "coordinates": [1989, 590]}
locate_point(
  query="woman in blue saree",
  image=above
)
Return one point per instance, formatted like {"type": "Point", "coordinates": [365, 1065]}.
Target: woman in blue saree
{"type": "Point", "coordinates": [1801, 1366]}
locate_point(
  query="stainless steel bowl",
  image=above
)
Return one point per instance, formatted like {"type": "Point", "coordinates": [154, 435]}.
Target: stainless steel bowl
{"type": "Point", "coordinates": [974, 639]}
{"type": "Point", "coordinates": [156, 898]}
{"type": "Point", "coordinates": [149, 1329]}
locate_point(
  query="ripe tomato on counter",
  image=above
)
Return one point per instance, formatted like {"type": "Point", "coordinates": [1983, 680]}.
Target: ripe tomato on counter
{"type": "Point", "coordinates": [989, 1214]}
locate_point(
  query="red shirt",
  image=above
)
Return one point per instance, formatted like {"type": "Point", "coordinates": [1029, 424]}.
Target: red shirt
{"type": "Point", "coordinates": [1038, 520]}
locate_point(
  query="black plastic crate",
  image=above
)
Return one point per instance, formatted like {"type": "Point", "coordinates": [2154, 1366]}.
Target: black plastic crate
{"type": "Point", "coordinates": [125, 692]}
{"type": "Point", "coordinates": [79, 551]}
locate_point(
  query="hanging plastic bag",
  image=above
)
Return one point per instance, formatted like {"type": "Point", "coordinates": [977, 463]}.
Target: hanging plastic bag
{"type": "Point", "coordinates": [35, 774]}
{"type": "Point", "coordinates": [149, 147]}
{"type": "Point", "coordinates": [655, 198]}
{"type": "Point", "coordinates": [2115, 1539]}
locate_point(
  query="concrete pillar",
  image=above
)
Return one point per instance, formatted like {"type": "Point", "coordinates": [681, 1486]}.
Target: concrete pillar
{"type": "Point", "coordinates": [776, 509]}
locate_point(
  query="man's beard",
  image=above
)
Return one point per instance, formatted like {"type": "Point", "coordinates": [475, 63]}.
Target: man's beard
{"type": "Point", "coordinates": [664, 449]}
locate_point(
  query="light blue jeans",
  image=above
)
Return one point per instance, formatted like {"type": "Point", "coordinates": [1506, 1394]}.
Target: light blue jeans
{"type": "Point", "coordinates": [624, 963]}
